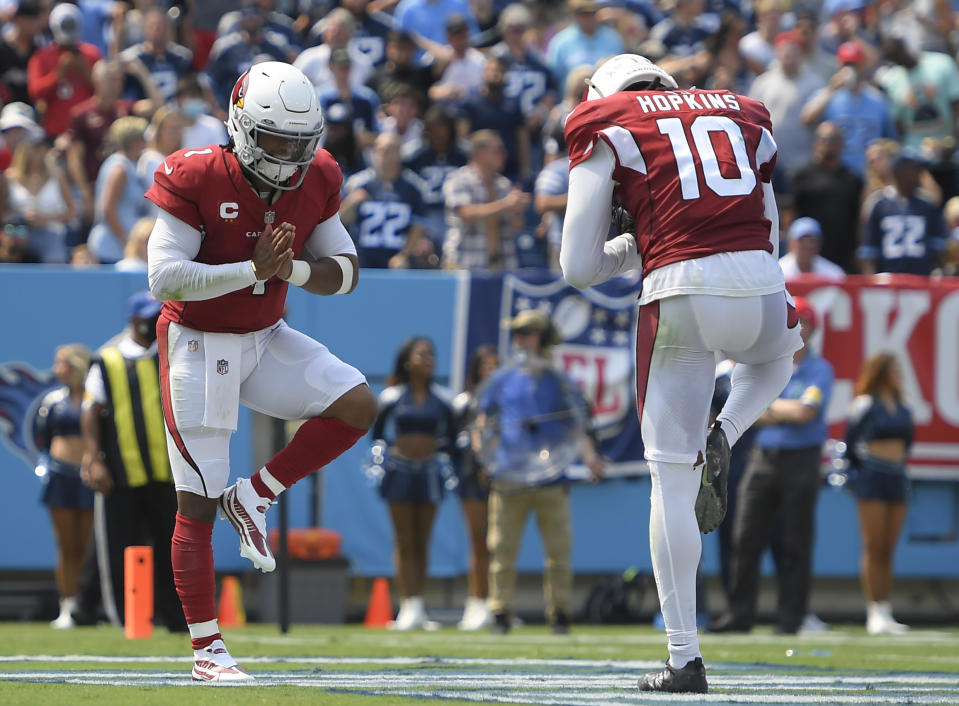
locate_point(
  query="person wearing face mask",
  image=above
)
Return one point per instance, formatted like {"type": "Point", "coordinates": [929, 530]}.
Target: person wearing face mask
{"type": "Point", "coordinates": [200, 128]}
{"type": "Point", "coordinates": [125, 461]}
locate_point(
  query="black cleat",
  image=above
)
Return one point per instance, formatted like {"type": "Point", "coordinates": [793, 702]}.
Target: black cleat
{"type": "Point", "coordinates": [560, 624]}
{"type": "Point", "coordinates": [712, 498]}
{"type": "Point", "coordinates": [691, 679]}
{"type": "Point", "coordinates": [501, 624]}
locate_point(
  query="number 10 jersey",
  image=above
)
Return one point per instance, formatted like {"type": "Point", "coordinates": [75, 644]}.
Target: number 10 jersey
{"type": "Point", "coordinates": [690, 167]}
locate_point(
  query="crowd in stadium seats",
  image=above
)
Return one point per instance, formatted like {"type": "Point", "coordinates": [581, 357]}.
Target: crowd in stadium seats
{"type": "Point", "coordinates": [864, 97]}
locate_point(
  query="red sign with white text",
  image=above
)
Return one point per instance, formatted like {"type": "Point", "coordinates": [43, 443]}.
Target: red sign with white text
{"type": "Point", "coordinates": [915, 318]}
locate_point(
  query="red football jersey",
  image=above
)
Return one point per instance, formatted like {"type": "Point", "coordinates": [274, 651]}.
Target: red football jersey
{"type": "Point", "coordinates": [689, 167]}
{"type": "Point", "coordinates": [206, 189]}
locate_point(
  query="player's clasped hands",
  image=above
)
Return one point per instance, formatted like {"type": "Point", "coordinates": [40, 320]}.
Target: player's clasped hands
{"type": "Point", "coordinates": [273, 254]}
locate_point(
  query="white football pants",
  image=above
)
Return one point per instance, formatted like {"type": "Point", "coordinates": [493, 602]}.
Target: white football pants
{"type": "Point", "coordinates": [678, 341]}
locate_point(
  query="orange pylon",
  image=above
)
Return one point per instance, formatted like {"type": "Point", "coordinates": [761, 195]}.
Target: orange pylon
{"type": "Point", "coordinates": [231, 613]}
{"type": "Point", "coordinates": [137, 592]}
{"type": "Point", "coordinates": [379, 610]}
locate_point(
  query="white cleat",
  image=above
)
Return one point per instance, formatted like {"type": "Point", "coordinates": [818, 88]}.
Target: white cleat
{"type": "Point", "coordinates": [881, 622]}
{"type": "Point", "coordinates": [214, 665]}
{"type": "Point", "coordinates": [476, 615]}
{"type": "Point", "coordinates": [412, 616]}
{"type": "Point", "coordinates": [246, 511]}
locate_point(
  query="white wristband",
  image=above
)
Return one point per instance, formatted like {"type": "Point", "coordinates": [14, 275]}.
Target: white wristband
{"type": "Point", "coordinates": [300, 274]}
{"type": "Point", "coordinates": [346, 267]}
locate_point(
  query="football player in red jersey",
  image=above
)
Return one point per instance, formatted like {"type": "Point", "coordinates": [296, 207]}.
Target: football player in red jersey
{"type": "Point", "coordinates": [692, 168]}
{"type": "Point", "coordinates": [232, 225]}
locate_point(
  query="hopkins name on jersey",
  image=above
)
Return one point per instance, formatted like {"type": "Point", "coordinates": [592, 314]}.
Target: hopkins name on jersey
{"type": "Point", "coordinates": [206, 189]}
{"type": "Point", "coordinates": [689, 168]}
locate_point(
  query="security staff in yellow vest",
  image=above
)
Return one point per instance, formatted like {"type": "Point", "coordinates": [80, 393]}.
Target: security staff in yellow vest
{"type": "Point", "coordinates": [126, 461]}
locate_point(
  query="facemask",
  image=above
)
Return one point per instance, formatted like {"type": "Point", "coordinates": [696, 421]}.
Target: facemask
{"type": "Point", "coordinates": [146, 329]}
{"type": "Point", "coordinates": [194, 107]}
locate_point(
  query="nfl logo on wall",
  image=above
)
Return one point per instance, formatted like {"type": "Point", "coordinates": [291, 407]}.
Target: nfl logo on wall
{"type": "Point", "coordinates": [222, 367]}
{"type": "Point", "coordinates": [597, 342]}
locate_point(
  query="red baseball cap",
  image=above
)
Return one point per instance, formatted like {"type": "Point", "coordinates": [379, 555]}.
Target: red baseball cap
{"type": "Point", "coordinates": [790, 36]}
{"type": "Point", "coordinates": [805, 312]}
{"type": "Point", "coordinates": [850, 53]}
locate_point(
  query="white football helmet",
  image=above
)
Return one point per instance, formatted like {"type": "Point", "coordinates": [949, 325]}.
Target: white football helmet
{"type": "Point", "coordinates": [277, 100]}
{"type": "Point", "coordinates": [624, 70]}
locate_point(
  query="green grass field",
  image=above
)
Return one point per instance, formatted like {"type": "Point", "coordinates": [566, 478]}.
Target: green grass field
{"type": "Point", "coordinates": [593, 665]}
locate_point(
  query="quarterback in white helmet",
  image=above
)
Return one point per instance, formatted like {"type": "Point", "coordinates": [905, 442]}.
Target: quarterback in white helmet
{"type": "Point", "coordinates": [233, 222]}
{"type": "Point", "coordinates": [691, 169]}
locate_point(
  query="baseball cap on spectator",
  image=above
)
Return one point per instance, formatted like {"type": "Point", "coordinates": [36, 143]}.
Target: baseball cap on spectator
{"type": "Point", "coordinates": [340, 57]}
{"type": "Point", "coordinates": [583, 6]}
{"type": "Point", "coordinates": [66, 23]}
{"type": "Point", "coordinates": [17, 115]}
{"type": "Point", "coordinates": [534, 321]}
{"type": "Point", "coordinates": [790, 36]}
{"type": "Point", "coordinates": [803, 227]}
{"type": "Point", "coordinates": [850, 53]}
{"type": "Point", "coordinates": [456, 23]}
{"type": "Point", "coordinates": [27, 8]}
{"type": "Point", "coordinates": [805, 311]}
{"type": "Point", "coordinates": [143, 305]}
{"type": "Point", "coordinates": [909, 155]}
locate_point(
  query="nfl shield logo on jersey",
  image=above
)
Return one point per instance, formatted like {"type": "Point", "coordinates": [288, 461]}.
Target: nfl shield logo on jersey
{"type": "Point", "coordinates": [193, 346]}
{"type": "Point", "coordinates": [222, 367]}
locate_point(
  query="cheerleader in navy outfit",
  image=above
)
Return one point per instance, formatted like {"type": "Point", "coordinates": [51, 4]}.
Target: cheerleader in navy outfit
{"type": "Point", "coordinates": [473, 490]}
{"type": "Point", "coordinates": [879, 433]}
{"type": "Point", "coordinates": [416, 431]}
{"type": "Point", "coordinates": [60, 442]}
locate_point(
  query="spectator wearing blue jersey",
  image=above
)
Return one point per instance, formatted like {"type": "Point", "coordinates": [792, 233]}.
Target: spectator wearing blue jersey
{"type": "Point", "coordinates": [166, 61]}
{"type": "Point", "coordinates": [437, 157]}
{"type": "Point", "coordinates": [428, 17]}
{"type": "Point", "coordinates": [781, 483]}
{"type": "Point", "coordinates": [879, 435]}
{"type": "Point", "coordinates": [684, 32]}
{"type": "Point", "coordinates": [370, 29]}
{"type": "Point", "coordinates": [383, 209]}
{"type": "Point", "coordinates": [904, 233]}
{"type": "Point", "coordinates": [492, 110]}
{"type": "Point", "coordinates": [859, 109]}
{"type": "Point", "coordinates": [360, 102]}
{"type": "Point", "coordinates": [281, 27]}
{"type": "Point", "coordinates": [527, 77]}
{"type": "Point", "coordinates": [233, 54]}
{"type": "Point", "coordinates": [583, 41]}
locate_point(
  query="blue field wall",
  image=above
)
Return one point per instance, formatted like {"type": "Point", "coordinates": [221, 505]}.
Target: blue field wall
{"type": "Point", "coordinates": [47, 306]}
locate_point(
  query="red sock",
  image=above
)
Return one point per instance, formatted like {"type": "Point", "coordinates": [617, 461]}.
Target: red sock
{"type": "Point", "coordinates": [191, 553]}
{"type": "Point", "coordinates": [315, 444]}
